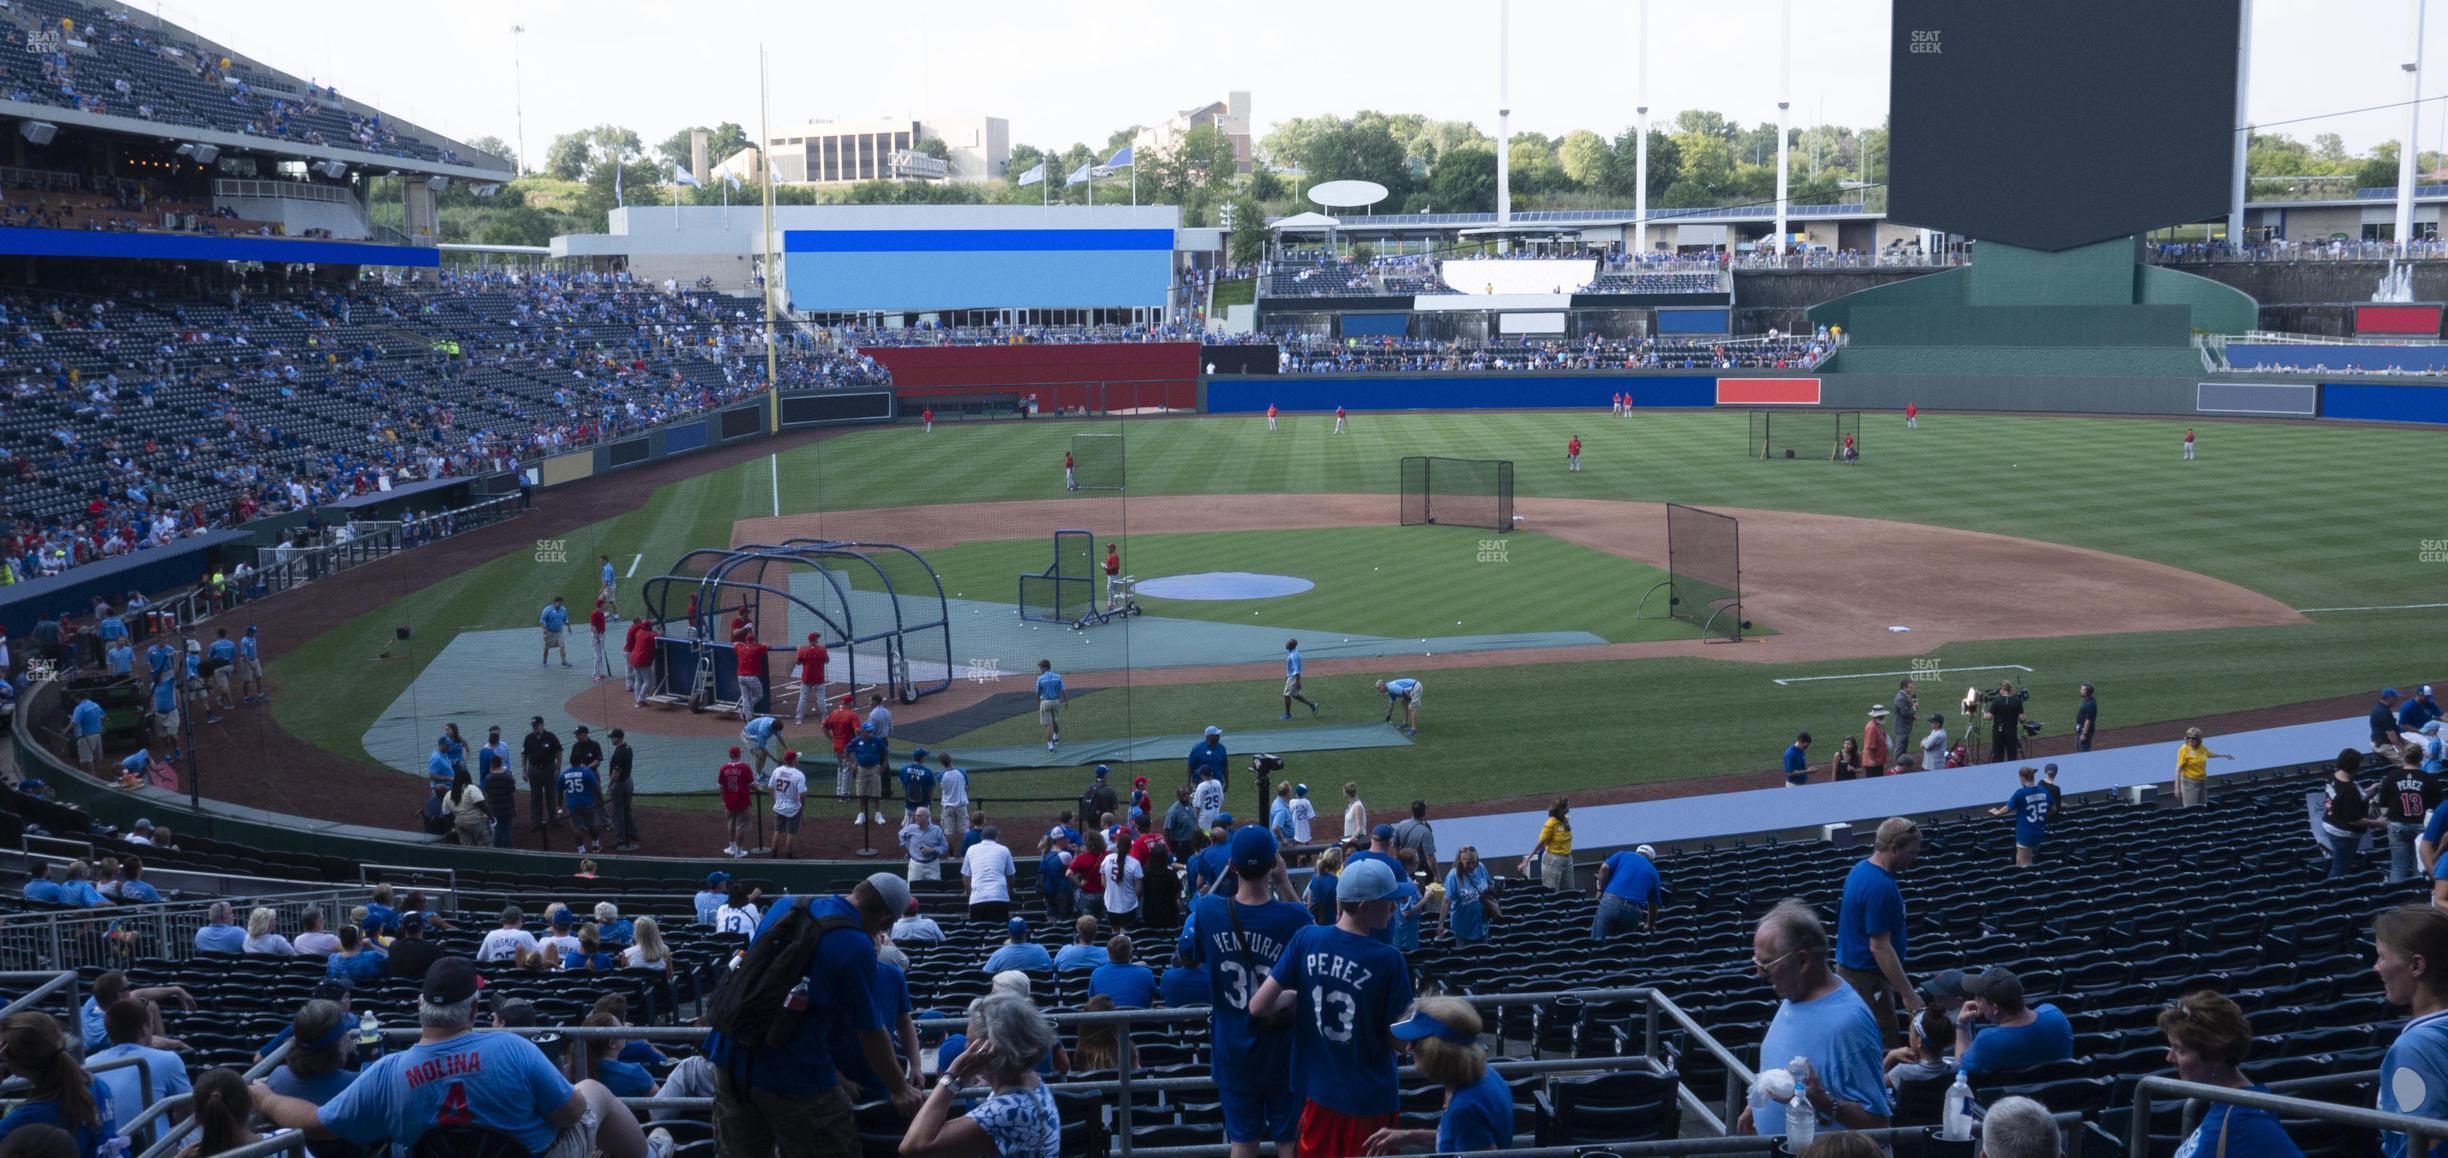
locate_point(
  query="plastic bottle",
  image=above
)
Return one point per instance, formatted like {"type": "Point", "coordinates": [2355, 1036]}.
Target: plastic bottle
{"type": "Point", "coordinates": [369, 1035]}
{"type": "Point", "coordinates": [1801, 1121]}
{"type": "Point", "coordinates": [1955, 1125]}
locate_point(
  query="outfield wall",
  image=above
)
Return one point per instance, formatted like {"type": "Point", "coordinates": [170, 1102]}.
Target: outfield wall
{"type": "Point", "coordinates": [1096, 375]}
{"type": "Point", "coordinates": [1565, 390]}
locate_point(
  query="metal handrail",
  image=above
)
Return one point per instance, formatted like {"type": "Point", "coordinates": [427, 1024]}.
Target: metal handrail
{"type": "Point", "coordinates": [2137, 1139]}
{"type": "Point", "coordinates": [173, 1139]}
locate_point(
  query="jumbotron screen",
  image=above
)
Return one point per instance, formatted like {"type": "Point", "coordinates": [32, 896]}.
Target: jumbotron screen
{"type": "Point", "coordinates": [2059, 124]}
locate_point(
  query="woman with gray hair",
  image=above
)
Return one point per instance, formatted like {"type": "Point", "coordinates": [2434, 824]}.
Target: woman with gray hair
{"type": "Point", "coordinates": [1007, 1037]}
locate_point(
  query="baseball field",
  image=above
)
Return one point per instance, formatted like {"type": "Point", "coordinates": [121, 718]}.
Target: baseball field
{"type": "Point", "coordinates": [2276, 569]}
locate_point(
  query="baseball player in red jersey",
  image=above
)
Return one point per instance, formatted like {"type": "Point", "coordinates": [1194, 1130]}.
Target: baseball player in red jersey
{"type": "Point", "coordinates": [1270, 416]}
{"type": "Point", "coordinates": [1619, 406]}
{"type": "Point", "coordinates": [811, 660]}
{"type": "Point", "coordinates": [638, 650]}
{"type": "Point", "coordinates": [1070, 479]}
{"type": "Point", "coordinates": [751, 675]}
{"type": "Point", "coordinates": [2188, 444]}
{"type": "Point", "coordinates": [603, 664]}
{"type": "Point", "coordinates": [1338, 420]}
{"type": "Point", "coordinates": [738, 784]}
{"type": "Point", "coordinates": [1912, 416]}
{"type": "Point", "coordinates": [841, 723]}
{"type": "Point", "coordinates": [1113, 573]}
{"type": "Point", "coordinates": [1572, 453]}
{"type": "Point", "coordinates": [927, 416]}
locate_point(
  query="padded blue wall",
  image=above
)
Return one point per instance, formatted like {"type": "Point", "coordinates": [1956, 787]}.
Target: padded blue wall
{"type": "Point", "coordinates": [1376, 325]}
{"type": "Point", "coordinates": [1691, 321]}
{"type": "Point", "coordinates": [690, 436]}
{"type": "Point", "coordinates": [2338, 359]}
{"type": "Point", "coordinates": [203, 247]}
{"type": "Point", "coordinates": [942, 269]}
{"type": "Point", "coordinates": [2381, 403]}
{"type": "Point", "coordinates": [1324, 392]}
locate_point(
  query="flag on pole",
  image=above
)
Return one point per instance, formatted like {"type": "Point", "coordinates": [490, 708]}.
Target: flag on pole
{"type": "Point", "coordinates": [730, 182]}
{"type": "Point", "coordinates": [1121, 159]}
{"type": "Point", "coordinates": [1033, 176]}
{"type": "Point", "coordinates": [616, 184]}
{"type": "Point", "coordinates": [681, 176]}
{"type": "Point", "coordinates": [1078, 175]}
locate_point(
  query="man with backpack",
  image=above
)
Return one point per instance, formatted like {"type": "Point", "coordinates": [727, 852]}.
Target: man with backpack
{"type": "Point", "coordinates": [1097, 800]}
{"type": "Point", "coordinates": [1419, 836]}
{"type": "Point", "coordinates": [809, 970]}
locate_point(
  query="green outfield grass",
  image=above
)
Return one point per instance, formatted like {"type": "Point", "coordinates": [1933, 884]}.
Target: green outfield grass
{"type": "Point", "coordinates": [2291, 510]}
{"type": "Point", "coordinates": [1394, 581]}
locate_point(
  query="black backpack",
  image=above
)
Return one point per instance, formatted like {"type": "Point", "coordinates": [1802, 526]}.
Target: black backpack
{"type": "Point", "coordinates": [752, 1005]}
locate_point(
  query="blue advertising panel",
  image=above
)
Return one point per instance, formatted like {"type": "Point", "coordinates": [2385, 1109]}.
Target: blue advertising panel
{"type": "Point", "coordinates": [944, 269]}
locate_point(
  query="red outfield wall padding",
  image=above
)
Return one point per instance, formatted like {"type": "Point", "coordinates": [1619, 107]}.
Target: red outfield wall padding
{"type": "Point", "coordinates": [1767, 392]}
{"type": "Point", "coordinates": [2418, 320]}
{"type": "Point", "coordinates": [1115, 375]}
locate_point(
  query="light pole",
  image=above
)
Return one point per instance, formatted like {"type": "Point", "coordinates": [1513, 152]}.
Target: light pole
{"type": "Point", "coordinates": [518, 94]}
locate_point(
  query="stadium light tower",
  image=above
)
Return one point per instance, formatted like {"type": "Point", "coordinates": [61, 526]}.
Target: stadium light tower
{"type": "Point", "coordinates": [2243, 120]}
{"type": "Point", "coordinates": [2406, 151]}
{"type": "Point", "coordinates": [518, 93]}
{"type": "Point", "coordinates": [1640, 129]}
{"type": "Point", "coordinates": [1784, 103]}
{"type": "Point", "coordinates": [1504, 115]}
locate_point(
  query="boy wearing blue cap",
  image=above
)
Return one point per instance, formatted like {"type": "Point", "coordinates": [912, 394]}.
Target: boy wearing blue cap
{"type": "Point", "coordinates": [1018, 952]}
{"type": "Point", "coordinates": [1348, 989]}
{"type": "Point", "coordinates": [1240, 938]}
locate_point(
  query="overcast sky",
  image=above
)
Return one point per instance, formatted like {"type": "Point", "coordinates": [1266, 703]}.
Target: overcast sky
{"type": "Point", "coordinates": [1067, 72]}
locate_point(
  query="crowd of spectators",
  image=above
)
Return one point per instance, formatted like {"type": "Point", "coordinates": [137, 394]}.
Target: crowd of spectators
{"type": "Point", "coordinates": [1303, 354]}
{"type": "Point", "coordinates": [141, 418]}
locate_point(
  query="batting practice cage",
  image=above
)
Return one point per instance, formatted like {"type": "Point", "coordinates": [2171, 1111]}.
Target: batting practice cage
{"type": "Point", "coordinates": [1703, 572]}
{"type": "Point", "coordinates": [879, 608]}
{"type": "Point", "coordinates": [1097, 461]}
{"type": "Point", "coordinates": [1458, 492]}
{"type": "Point", "coordinates": [1066, 590]}
{"type": "Point", "coordinates": [1819, 434]}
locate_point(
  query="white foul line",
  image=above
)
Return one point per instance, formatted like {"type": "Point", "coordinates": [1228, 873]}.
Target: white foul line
{"type": "Point", "coordinates": [1918, 672]}
{"type": "Point", "coordinates": [774, 463]}
{"type": "Point", "coordinates": [634, 560]}
{"type": "Point", "coordinates": [2388, 607]}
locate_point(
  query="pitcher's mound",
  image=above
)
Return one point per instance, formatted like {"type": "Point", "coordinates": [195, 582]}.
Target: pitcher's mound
{"type": "Point", "coordinates": [1222, 585]}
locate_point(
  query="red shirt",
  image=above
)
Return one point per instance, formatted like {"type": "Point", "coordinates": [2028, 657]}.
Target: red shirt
{"type": "Point", "coordinates": [1574, 447]}
{"type": "Point", "coordinates": [1067, 463]}
{"type": "Point", "coordinates": [597, 621]}
{"type": "Point", "coordinates": [1270, 410]}
{"type": "Point", "coordinates": [641, 644]}
{"type": "Point", "coordinates": [811, 661]}
{"type": "Point", "coordinates": [1140, 847]}
{"type": "Point", "coordinates": [1090, 868]}
{"type": "Point", "coordinates": [928, 415]}
{"type": "Point", "coordinates": [842, 724]}
{"type": "Point", "coordinates": [735, 780]}
{"type": "Point", "coordinates": [1338, 412]}
{"type": "Point", "coordinates": [1113, 563]}
{"type": "Point", "coordinates": [737, 622]}
{"type": "Point", "coordinates": [1911, 408]}
{"type": "Point", "coordinates": [751, 658]}
{"type": "Point", "coordinates": [2188, 436]}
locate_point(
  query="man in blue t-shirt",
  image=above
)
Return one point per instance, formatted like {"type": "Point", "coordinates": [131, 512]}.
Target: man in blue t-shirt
{"type": "Point", "coordinates": [917, 784]}
{"type": "Point", "coordinates": [1240, 938]}
{"type": "Point", "coordinates": [1184, 982]}
{"type": "Point", "coordinates": [1347, 990]}
{"type": "Point", "coordinates": [763, 1093]}
{"type": "Point", "coordinates": [1207, 865]}
{"type": "Point", "coordinates": [554, 619]}
{"type": "Point", "coordinates": [1054, 879]}
{"type": "Point", "coordinates": [452, 1077]}
{"type": "Point", "coordinates": [1292, 680]}
{"type": "Point", "coordinates": [1018, 952]}
{"type": "Point", "coordinates": [1820, 1019]}
{"type": "Point", "coordinates": [1404, 695]}
{"type": "Point", "coordinates": [2420, 710]}
{"type": "Point", "coordinates": [2011, 1036]}
{"type": "Point", "coordinates": [85, 723]}
{"type": "Point", "coordinates": [714, 895]}
{"type": "Point", "coordinates": [2029, 805]}
{"type": "Point", "coordinates": [1130, 984]}
{"type": "Point", "coordinates": [1628, 888]}
{"type": "Point", "coordinates": [166, 708]}
{"type": "Point", "coordinates": [1050, 701]}
{"type": "Point", "coordinates": [1797, 760]}
{"type": "Point", "coordinates": [159, 658]}
{"type": "Point", "coordinates": [1870, 951]}
{"type": "Point", "coordinates": [1209, 754]}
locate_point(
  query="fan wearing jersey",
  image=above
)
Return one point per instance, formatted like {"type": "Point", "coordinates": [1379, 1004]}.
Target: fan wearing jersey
{"type": "Point", "coordinates": [2411, 942]}
{"type": "Point", "coordinates": [1347, 990]}
{"type": "Point", "coordinates": [2030, 808]}
{"type": "Point", "coordinates": [1239, 939]}
{"type": "Point", "coordinates": [789, 787]}
{"type": "Point", "coordinates": [582, 794]}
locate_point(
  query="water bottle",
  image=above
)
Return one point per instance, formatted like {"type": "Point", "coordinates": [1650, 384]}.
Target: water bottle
{"type": "Point", "coordinates": [1801, 1121]}
{"type": "Point", "coordinates": [1956, 1124]}
{"type": "Point", "coordinates": [369, 1036]}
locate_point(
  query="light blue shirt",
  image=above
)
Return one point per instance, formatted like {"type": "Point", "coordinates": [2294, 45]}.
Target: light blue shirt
{"type": "Point", "coordinates": [164, 1075]}
{"type": "Point", "coordinates": [86, 720]}
{"type": "Point", "coordinates": [1396, 689]}
{"type": "Point", "coordinates": [121, 659]}
{"type": "Point", "coordinates": [760, 730]}
{"type": "Point", "coordinates": [1049, 686]}
{"type": "Point", "coordinates": [1292, 662]}
{"type": "Point", "coordinates": [607, 573]}
{"type": "Point", "coordinates": [554, 618]}
{"type": "Point", "coordinates": [220, 939]}
{"type": "Point", "coordinates": [2414, 1079]}
{"type": "Point", "coordinates": [1841, 1038]}
{"type": "Point", "coordinates": [246, 647]}
{"type": "Point", "coordinates": [496, 1080]}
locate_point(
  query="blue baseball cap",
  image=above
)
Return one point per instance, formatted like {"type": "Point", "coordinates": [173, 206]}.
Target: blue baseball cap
{"type": "Point", "coordinates": [1368, 880]}
{"type": "Point", "coordinates": [917, 753]}
{"type": "Point", "coordinates": [1420, 1026]}
{"type": "Point", "coordinates": [1253, 850]}
{"type": "Point", "coordinates": [1103, 771]}
{"type": "Point", "coordinates": [1224, 820]}
{"type": "Point", "coordinates": [2387, 693]}
{"type": "Point", "coordinates": [1383, 832]}
{"type": "Point", "coordinates": [1212, 730]}
{"type": "Point", "coordinates": [717, 880]}
{"type": "Point", "coordinates": [1300, 790]}
{"type": "Point", "coordinates": [1017, 927]}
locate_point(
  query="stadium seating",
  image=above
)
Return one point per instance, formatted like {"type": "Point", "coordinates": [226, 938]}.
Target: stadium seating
{"type": "Point", "coordinates": [1316, 355]}
{"type": "Point", "coordinates": [138, 407]}
{"type": "Point", "coordinates": [105, 62]}
{"type": "Point", "coordinates": [2131, 907]}
{"type": "Point", "coordinates": [1683, 282]}
{"type": "Point", "coordinates": [2337, 358]}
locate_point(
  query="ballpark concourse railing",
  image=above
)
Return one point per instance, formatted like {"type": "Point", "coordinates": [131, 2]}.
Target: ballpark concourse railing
{"type": "Point", "coordinates": [1659, 1015]}
{"type": "Point", "coordinates": [129, 934]}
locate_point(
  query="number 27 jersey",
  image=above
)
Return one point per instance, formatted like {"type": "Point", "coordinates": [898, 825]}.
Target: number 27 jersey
{"type": "Point", "coordinates": [1352, 989]}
